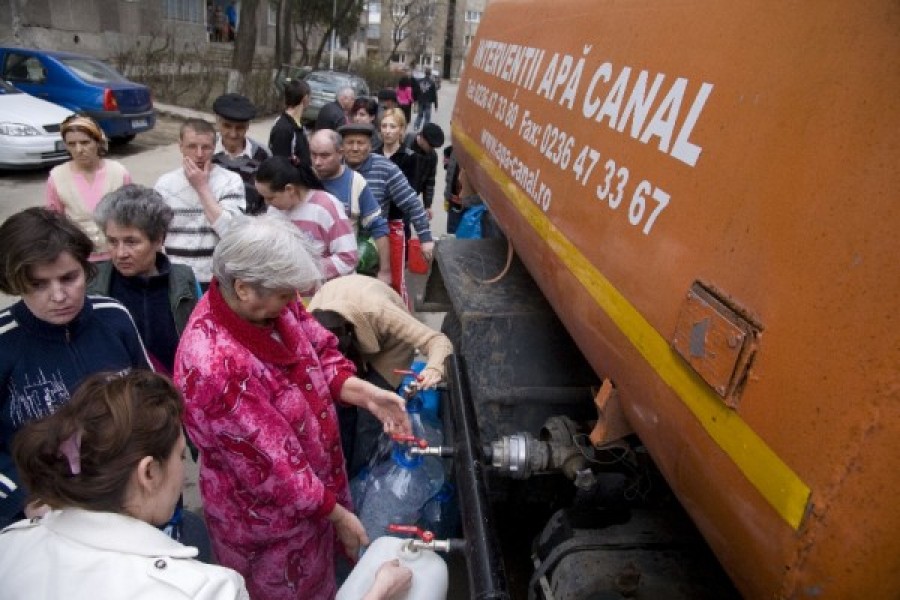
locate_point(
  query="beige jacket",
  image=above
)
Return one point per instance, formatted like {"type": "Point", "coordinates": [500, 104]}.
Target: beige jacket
{"type": "Point", "coordinates": [387, 333]}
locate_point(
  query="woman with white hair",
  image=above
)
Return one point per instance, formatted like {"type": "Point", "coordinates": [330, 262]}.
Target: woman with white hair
{"type": "Point", "coordinates": [260, 378]}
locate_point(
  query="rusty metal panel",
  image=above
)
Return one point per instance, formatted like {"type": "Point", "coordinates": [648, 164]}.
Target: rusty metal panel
{"type": "Point", "coordinates": [716, 341]}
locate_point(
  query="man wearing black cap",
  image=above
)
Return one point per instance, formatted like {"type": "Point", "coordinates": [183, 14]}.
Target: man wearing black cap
{"type": "Point", "coordinates": [234, 150]}
{"type": "Point", "coordinates": [424, 146]}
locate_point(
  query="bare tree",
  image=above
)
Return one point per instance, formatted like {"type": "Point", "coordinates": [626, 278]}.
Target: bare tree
{"type": "Point", "coordinates": [284, 38]}
{"type": "Point", "coordinates": [411, 21]}
{"type": "Point", "coordinates": [314, 22]}
{"type": "Point", "coordinates": [244, 47]}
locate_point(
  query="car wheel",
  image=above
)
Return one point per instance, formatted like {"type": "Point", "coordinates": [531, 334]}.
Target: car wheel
{"type": "Point", "coordinates": [121, 140]}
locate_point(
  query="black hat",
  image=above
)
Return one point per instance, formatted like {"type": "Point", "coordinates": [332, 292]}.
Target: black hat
{"type": "Point", "coordinates": [364, 128]}
{"type": "Point", "coordinates": [234, 107]}
{"type": "Point", "coordinates": [387, 94]}
{"type": "Point", "coordinates": [433, 134]}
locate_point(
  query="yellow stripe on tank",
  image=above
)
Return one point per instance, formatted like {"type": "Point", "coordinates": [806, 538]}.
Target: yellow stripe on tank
{"type": "Point", "coordinates": [775, 480]}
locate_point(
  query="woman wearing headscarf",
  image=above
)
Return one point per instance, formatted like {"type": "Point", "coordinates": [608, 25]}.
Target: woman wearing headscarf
{"type": "Point", "coordinates": [260, 379]}
{"type": "Point", "coordinates": [76, 187]}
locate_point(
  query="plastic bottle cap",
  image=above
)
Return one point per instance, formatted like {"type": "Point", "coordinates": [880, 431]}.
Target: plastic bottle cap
{"type": "Point", "coordinates": [404, 459]}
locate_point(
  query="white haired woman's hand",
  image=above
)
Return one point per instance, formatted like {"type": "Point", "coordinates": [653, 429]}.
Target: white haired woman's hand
{"type": "Point", "coordinates": [386, 406]}
{"type": "Point", "coordinates": [349, 529]}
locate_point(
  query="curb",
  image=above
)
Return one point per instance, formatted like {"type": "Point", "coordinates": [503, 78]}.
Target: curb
{"type": "Point", "coordinates": [182, 114]}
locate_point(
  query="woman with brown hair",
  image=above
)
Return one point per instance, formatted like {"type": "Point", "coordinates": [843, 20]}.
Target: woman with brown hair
{"type": "Point", "coordinates": [74, 188]}
{"type": "Point", "coordinates": [56, 335]}
{"type": "Point", "coordinates": [365, 110]}
{"type": "Point", "coordinates": [110, 465]}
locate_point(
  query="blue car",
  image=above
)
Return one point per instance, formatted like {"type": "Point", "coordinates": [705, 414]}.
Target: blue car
{"type": "Point", "coordinates": [82, 84]}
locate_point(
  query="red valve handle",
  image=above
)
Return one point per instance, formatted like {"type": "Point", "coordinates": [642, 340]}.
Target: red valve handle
{"type": "Point", "coordinates": [410, 439]}
{"type": "Point", "coordinates": [408, 372]}
{"type": "Point", "coordinates": [422, 534]}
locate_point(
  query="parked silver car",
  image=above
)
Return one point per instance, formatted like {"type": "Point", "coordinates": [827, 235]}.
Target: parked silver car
{"type": "Point", "coordinates": [323, 87]}
{"type": "Point", "coordinates": [29, 130]}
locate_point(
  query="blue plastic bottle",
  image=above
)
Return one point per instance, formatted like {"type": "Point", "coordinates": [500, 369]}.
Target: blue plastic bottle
{"type": "Point", "coordinates": [396, 490]}
{"type": "Point", "coordinates": [440, 515]}
{"type": "Point", "coordinates": [431, 399]}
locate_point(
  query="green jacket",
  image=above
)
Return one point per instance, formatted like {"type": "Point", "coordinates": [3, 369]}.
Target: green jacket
{"type": "Point", "coordinates": [184, 292]}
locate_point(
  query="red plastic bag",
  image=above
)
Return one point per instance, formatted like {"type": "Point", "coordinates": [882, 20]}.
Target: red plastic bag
{"type": "Point", "coordinates": [417, 262]}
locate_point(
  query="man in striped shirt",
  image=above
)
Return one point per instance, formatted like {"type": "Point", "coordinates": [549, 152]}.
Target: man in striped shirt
{"type": "Point", "coordinates": [205, 198]}
{"type": "Point", "coordinates": [386, 181]}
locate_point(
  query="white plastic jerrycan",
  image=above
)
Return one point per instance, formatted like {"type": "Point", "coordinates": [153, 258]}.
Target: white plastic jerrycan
{"type": "Point", "coordinates": [429, 571]}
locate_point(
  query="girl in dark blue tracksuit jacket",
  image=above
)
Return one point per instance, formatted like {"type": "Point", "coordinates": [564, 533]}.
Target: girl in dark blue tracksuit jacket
{"type": "Point", "coordinates": [42, 360]}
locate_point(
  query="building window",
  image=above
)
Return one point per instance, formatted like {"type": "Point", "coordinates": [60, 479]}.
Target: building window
{"type": "Point", "coordinates": [192, 11]}
{"type": "Point", "coordinates": [473, 16]}
{"type": "Point", "coordinates": [399, 11]}
{"type": "Point", "coordinates": [468, 40]}
{"type": "Point", "coordinates": [273, 14]}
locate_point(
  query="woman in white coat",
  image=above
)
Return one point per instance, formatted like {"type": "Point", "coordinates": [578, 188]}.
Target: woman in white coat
{"type": "Point", "coordinates": [110, 465]}
{"type": "Point", "coordinates": [105, 471]}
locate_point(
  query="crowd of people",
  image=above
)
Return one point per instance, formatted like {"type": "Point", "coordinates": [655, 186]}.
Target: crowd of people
{"type": "Point", "coordinates": [225, 311]}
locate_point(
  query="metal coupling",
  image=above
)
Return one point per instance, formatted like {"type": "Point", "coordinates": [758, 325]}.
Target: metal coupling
{"type": "Point", "coordinates": [519, 455]}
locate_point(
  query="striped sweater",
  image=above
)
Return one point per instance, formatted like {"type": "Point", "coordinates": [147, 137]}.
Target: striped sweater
{"type": "Point", "coordinates": [388, 184]}
{"type": "Point", "coordinates": [321, 216]}
{"type": "Point", "coordinates": [192, 238]}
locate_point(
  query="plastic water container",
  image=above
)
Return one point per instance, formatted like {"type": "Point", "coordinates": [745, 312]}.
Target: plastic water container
{"type": "Point", "coordinates": [431, 399]}
{"type": "Point", "coordinates": [440, 515]}
{"type": "Point", "coordinates": [422, 427]}
{"type": "Point", "coordinates": [396, 490]}
{"type": "Point", "coordinates": [358, 487]}
{"type": "Point", "coordinates": [429, 571]}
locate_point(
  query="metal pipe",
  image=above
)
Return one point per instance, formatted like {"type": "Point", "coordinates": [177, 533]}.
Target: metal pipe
{"type": "Point", "coordinates": [442, 451]}
{"type": "Point", "coordinates": [487, 576]}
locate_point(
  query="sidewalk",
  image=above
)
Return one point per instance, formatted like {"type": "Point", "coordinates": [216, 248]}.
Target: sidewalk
{"type": "Point", "coordinates": [180, 112]}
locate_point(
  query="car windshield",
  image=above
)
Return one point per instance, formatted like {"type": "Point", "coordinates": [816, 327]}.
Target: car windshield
{"type": "Point", "coordinates": [6, 88]}
{"type": "Point", "coordinates": [93, 71]}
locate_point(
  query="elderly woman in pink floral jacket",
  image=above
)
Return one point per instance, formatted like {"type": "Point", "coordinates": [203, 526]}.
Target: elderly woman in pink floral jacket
{"type": "Point", "coordinates": [260, 378]}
